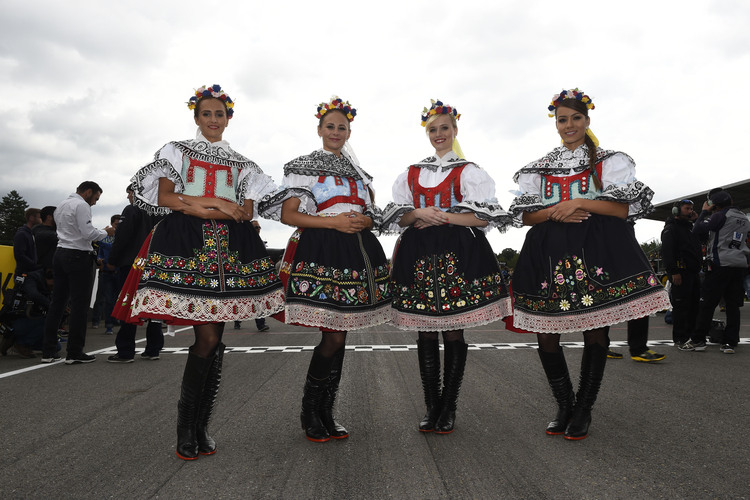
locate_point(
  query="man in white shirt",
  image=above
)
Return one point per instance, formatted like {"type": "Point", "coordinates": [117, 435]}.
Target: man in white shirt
{"type": "Point", "coordinates": [74, 272]}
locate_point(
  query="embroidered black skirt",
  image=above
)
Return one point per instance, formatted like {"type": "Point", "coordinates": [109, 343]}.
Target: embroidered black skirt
{"type": "Point", "coordinates": [193, 271]}
{"type": "Point", "coordinates": [335, 281]}
{"type": "Point", "coordinates": [576, 277]}
{"type": "Point", "coordinates": [446, 278]}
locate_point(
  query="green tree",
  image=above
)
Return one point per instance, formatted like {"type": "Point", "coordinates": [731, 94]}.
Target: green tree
{"type": "Point", "coordinates": [509, 257]}
{"type": "Point", "coordinates": [12, 207]}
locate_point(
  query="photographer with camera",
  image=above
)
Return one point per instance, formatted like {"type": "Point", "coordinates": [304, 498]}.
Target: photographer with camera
{"type": "Point", "coordinates": [727, 256]}
{"type": "Point", "coordinates": [23, 319]}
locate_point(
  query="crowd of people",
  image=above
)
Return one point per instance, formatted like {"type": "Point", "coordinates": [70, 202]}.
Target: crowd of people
{"type": "Point", "coordinates": [187, 251]}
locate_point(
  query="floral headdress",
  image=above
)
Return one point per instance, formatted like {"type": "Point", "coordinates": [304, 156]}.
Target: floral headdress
{"type": "Point", "coordinates": [438, 108]}
{"type": "Point", "coordinates": [212, 91]}
{"type": "Point", "coordinates": [336, 103]}
{"type": "Point", "coordinates": [569, 94]}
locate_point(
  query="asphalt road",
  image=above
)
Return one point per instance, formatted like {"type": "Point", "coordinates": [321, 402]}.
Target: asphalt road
{"type": "Point", "coordinates": [673, 429]}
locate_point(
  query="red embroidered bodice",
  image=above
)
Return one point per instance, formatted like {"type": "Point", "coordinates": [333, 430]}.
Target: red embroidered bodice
{"type": "Point", "coordinates": [566, 187]}
{"type": "Point", "coordinates": [334, 187]}
{"type": "Point", "coordinates": [451, 185]}
{"type": "Point", "coordinates": [201, 180]}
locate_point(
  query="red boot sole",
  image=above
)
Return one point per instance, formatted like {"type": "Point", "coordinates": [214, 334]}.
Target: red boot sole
{"type": "Point", "coordinates": [318, 440]}
{"type": "Point", "coordinates": [569, 438]}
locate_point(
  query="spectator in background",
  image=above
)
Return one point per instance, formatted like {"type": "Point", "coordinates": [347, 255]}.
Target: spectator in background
{"type": "Point", "coordinates": [24, 248]}
{"type": "Point", "coordinates": [45, 236]}
{"type": "Point", "coordinates": [727, 256]}
{"type": "Point", "coordinates": [135, 224]}
{"type": "Point", "coordinates": [74, 272]}
{"type": "Point", "coordinates": [682, 255]}
{"type": "Point", "coordinates": [260, 323]}
{"type": "Point", "coordinates": [107, 291]}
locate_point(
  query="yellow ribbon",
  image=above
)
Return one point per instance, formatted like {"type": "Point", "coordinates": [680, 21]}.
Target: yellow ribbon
{"type": "Point", "coordinates": [457, 148]}
{"type": "Point", "coordinates": [593, 137]}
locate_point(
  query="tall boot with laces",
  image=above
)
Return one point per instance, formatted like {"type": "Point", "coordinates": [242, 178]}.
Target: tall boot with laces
{"type": "Point", "coordinates": [558, 377]}
{"type": "Point", "coordinates": [428, 352]}
{"type": "Point", "coordinates": [455, 362]}
{"type": "Point", "coordinates": [206, 444]}
{"type": "Point", "coordinates": [193, 381]}
{"type": "Point", "coordinates": [335, 430]}
{"type": "Point", "coordinates": [593, 361]}
{"type": "Point", "coordinates": [316, 385]}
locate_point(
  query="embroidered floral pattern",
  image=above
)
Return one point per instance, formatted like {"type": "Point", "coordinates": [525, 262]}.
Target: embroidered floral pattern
{"type": "Point", "coordinates": [440, 289]}
{"type": "Point", "coordinates": [339, 287]}
{"type": "Point", "coordinates": [213, 267]}
{"type": "Point", "coordinates": [575, 287]}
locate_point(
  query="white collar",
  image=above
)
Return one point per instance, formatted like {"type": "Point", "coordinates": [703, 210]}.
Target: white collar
{"type": "Point", "coordinates": [220, 144]}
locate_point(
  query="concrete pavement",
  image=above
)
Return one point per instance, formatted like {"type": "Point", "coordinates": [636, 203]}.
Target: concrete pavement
{"type": "Point", "coordinates": [673, 429]}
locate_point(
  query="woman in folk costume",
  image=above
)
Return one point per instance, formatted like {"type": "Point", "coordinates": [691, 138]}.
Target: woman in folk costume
{"type": "Point", "coordinates": [446, 276]}
{"type": "Point", "coordinates": [580, 268]}
{"type": "Point", "coordinates": [203, 264]}
{"type": "Point", "coordinates": [334, 270]}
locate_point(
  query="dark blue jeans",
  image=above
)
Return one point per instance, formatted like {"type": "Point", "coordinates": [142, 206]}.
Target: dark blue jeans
{"type": "Point", "coordinates": [74, 278]}
{"type": "Point", "coordinates": [106, 294]}
{"type": "Point", "coordinates": [125, 340]}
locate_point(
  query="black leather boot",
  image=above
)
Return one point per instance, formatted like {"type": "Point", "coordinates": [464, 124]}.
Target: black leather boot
{"type": "Point", "coordinates": [562, 388]}
{"type": "Point", "coordinates": [193, 380]}
{"type": "Point", "coordinates": [312, 398]}
{"type": "Point", "coordinates": [592, 370]}
{"type": "Point", "coordinates": [428, 352]}
{"type": "Point", "coordinates": [206, 444]}
{"type": "Point", "coordinates": [335, 430]}
{"type": "Point", "coordinates": [455, 362]}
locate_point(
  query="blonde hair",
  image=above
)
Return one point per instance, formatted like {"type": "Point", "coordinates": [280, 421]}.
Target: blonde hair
{"type": "Point", "coordinates": [456, 147]}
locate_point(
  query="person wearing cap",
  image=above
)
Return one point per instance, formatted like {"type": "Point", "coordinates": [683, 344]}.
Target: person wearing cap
{"type": "Point", "coordinates": [682, 255]}
{"type": "Point", "coordinates": [727, 257]}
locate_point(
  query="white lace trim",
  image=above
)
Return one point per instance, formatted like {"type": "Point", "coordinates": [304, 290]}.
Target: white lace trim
{"type": "Point", "coordinates": [478, 317]}
{"type": "Point", "coordinates": [336, 320]}
{"type": "Point", "coordinates": [562, 323]}
{"type": "Point", "coordinates": [203, 308]}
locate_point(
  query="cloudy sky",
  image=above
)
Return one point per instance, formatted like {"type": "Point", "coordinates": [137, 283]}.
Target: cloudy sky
{"type": "Point", "coordinates": [92, 89]}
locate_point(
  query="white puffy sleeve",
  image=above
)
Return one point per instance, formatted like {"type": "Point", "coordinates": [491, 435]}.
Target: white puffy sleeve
{"type": "Point", "coordinates": [619, 184]}
{"type": "Point", "coordinates": [403, 203]}
{"type": "Point", "coordinates": [167, 163]}
{"type": "Point", "coordinates": [478, 193]}
{"type": "Point", "coordinates": [293, 186]}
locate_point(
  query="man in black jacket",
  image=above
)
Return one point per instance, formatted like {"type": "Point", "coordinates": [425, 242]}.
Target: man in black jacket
{"type": "Point", "coordinates": [135, 225]}
{"type": "Point", "coordinates": [681, 254]}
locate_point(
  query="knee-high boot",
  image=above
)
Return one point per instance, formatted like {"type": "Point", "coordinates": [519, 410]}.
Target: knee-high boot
{"type": "Point", "coordinates": [428, 352]}
{"type": "Point", "coordinates": [455, 362]}
{"type": "Point", "coordinates": [592, 370]}
{"type": "Point", "coordinates": [206, 444]}
{"type": "Point", "coordinates": [193, 380]}
{"type": "Point", "coordinates": [316, 384]}
{"type": "Point", "coordinates": [558, 377]}
{"type": "Point", "coordinates": [335, 430]}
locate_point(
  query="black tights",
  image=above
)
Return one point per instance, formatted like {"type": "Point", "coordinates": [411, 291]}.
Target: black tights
{"type": "Point", "coordinates": [207, 339]}
{"type": "Point", "coordinates": [550, 342]}
{"type": "Point", "coordinates": [448, 336]}
{"type": "Point", "coordinates": [331, 342]}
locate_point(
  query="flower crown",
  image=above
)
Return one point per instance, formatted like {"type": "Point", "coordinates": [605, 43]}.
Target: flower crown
{"type": "Point", "coordinates": [336, 103]}
{"type": "Point", "coordinates": [438, 108]}
{"type": "Point", "coordinates": [569, 94]}
{"type": "Point", "coordinates": [212, 91]}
